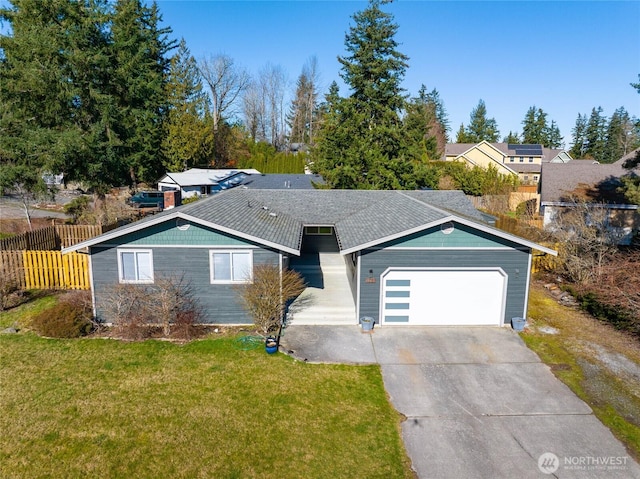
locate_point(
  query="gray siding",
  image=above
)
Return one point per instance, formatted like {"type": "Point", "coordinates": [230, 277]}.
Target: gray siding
{"type": "Point", "coordinates": [379, 260]}
{"type": "Point", "coordinates": [219, 301]}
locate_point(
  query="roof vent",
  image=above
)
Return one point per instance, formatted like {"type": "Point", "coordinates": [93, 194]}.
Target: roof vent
{"type": "Point", "coordinates": [266, 208]}
{"type": "Point", "coordinates": [273, 214]}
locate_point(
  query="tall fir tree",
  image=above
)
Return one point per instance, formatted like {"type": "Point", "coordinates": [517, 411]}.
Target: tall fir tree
{"type": "Point", "coordinates": [481, 128]}
{"type": "Point", "coordinates": [596, 135]}
{"type": "Point", "coordinates": [52, 74]}
{"type": "Point", "coordinates": [140, 65]}
{"type": "Point", "coordinates": [554, 137]}
{"type": "Point", "coordinates": [426, 135]}
{"type": "Point", "coordinates": [188, 130]}
{"type": "Point", "coordinates": [579, 133]}
{"type": "Point", "coordinates": [361, 142]}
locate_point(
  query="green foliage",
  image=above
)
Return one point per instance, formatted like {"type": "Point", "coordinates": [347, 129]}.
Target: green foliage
{"type": "Point", "coordinates": [77, 207]}
{"type": "Point", "coordinates": [512, 138]}
{"type": "Point", "coordinates": [579, 133]}
{"type": "Point", "coordinates": [361, 142]}
{"type": "Point", "coordinates": [480, 127]}
{"type": "Point", "coordinates": [478, 181]}
{"type": "Point", "coordinates": [631, 189]}
{"type": "Point", "coordinates": [536, 129]}
{"type": "Point", "coordinates": [188, 129]}
{"type": "Point", "coordinates": [266, 159]}
{"type": "Point", "coordinates": [64, 320]}
{"type": "Point", "coordinates": [616, 316]}
{"type": "Point", "coordinates": [81, 84]}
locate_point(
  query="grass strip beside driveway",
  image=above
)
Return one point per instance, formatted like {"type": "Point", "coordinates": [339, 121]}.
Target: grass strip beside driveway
{"type": "Point", "coordinates": [105, 408]}
{"type": "Point", "coordinates": [599, 364]}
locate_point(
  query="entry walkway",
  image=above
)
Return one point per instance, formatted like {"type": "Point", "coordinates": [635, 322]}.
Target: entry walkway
{"type": "Point", "coordinates": [478, 402]}
{"type": "Point", "coordinates": [328, 299]}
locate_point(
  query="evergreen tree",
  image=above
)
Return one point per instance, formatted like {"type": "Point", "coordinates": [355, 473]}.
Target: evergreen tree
{"type": "Point", "coordinates": [461, 135]}
{"type": "Point", "coordinates": [579, 133]}
{"type": "Point", "coordinates": [621, 137]}
{"type": "Point", "coordinates": [433, 98]}
{"type": "Point", "coordinates": [138, 54]}
{"type": "Point", "coordinates": [426, 137]}
{"type": "Point", "coordinates": [361, 142]}
{"type": "Point", "coordinates": [52, 73]}
{"type": "Point", "coordinates": [595, 135]}
{"type": "Point", "coordinates": [512, 138]}
{"type": "Point", "coordinates": [480, 127]}
{"type": "Point", "coordinates": [554, 137]}
{"type": "Point", "coordinates": [188, 130]}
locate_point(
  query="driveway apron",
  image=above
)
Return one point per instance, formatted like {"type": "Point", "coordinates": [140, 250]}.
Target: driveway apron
{"type": "Point", "coordinates": [478, 403]}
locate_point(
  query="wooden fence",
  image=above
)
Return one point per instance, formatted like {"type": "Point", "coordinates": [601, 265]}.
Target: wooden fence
{"type": "Point", "coordinates": [45, 269]}
{"type": "Point", "coordinates": [55, 237]}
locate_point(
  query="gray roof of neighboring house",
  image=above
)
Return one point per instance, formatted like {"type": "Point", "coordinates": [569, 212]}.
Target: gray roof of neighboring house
{"type": "Point", "coordinates": [560, 179]}
{"type": "Point", "coordinates": [282, 181]}
{"type": "Point", "coordinates": [361, 218]}
{"type": "Point", "coordinates": [202, 176]}
{"type": "Point", "coordinates": [525, 167]}
{"type": "Point", "coordinates": [628, 156]}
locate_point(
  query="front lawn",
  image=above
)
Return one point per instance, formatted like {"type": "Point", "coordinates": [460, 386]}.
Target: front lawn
{"type": "Point", "coordinates": [210, 408]}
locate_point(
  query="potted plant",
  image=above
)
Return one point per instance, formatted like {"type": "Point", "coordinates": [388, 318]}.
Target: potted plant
{"type": "Point", "coordinates": [265, 298]}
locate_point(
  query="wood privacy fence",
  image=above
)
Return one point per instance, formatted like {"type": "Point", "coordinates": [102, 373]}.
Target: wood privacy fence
{"type": "Point", "coordinates": [55, 237]}
{"type": "Point", "coordinates": [45, 269]}
{"type": "Point", "coordinates": [514, 225]}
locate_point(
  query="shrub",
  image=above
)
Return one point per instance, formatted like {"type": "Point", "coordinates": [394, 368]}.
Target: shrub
{"type": "Point", "coordinates": [64, 320]}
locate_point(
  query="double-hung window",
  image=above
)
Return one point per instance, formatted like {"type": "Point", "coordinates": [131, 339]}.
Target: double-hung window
{"type": "Point", "coordinates": [231, 266]}
{"type": "Point", "coordinates": [135, 266]}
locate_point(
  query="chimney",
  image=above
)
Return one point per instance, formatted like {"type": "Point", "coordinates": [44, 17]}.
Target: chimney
{"type": "Point", "coordinates": [172, 198]}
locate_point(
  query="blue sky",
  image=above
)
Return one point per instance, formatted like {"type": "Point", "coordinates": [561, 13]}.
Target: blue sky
{"type": "Point", "coordinates": [564, 57]}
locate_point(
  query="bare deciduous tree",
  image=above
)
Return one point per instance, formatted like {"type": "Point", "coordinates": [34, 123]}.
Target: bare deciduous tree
{"type": "Point", "coordinates": [266, 296]}
{"type": "Point", "coordinates": [226, 82]}
{"type": "Point", "coordinates": [273, 84]}
{"type": "Point", "coordinates": [587, 239]}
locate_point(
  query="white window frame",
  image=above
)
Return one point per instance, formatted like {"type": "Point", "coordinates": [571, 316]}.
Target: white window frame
{"type": "Point", "coordinates": [121, 278]}
{"type": "Point", "coordinates": [231, 252]}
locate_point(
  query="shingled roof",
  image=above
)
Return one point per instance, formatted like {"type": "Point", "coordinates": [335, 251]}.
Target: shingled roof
{"type": "Point", "coordinates": [559, 180]}
{"type": "Point", "coordinates": [361, 218]}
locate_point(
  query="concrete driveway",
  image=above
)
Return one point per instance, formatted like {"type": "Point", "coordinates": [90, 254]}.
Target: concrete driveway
{"type": "Point", "coordinates": [478, 402]}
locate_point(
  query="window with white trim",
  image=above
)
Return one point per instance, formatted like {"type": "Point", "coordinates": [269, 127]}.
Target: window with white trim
{"type": "Point", "coordinates": [231, 266]}
{"type": "Point", "coordinates": [135, 266]}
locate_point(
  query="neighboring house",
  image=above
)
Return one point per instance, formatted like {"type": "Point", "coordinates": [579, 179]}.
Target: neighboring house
{"type": "Point", "coordinates": [282, 181]}
{"type": "Point", "coordinates": [523, 160]}
{"type": "Point", "coordinates": [407, 257]}
{"type": "Point", "coordinates": [564, 184]}
{"type": "Point", "coordinates": [202, 182]}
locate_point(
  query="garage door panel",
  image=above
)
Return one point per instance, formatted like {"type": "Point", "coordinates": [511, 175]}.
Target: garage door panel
{"type": "Point", "coordinates": [443, 297]}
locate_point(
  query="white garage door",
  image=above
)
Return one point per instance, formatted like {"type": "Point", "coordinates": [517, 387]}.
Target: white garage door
{"type": "Point", "coordinates": [443, 297]}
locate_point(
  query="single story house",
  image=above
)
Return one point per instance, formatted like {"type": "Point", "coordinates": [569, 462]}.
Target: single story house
{"type": "Point", "coordinates": [203, 182]}
{"type": "Point", "coordinates": [407, 257]}
{"type": "Point", "coordinates": [597, 184]}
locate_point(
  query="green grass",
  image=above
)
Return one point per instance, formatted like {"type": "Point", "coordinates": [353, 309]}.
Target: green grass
{"type": "Point", "coordinates": [21, 315]}
{"type": "Point", "coordinates": [570, 354]}
{"type": "Point", "coordinates": [210, 408]}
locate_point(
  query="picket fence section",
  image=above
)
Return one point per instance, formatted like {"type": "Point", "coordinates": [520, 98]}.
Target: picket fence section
{"type": "Point", "coordinates": [55, 237]}
{"type": "Point", "coordinates": [45, 269]}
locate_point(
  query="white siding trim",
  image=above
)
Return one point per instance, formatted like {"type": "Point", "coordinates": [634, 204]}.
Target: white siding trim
{"type": "Point", "coordinates": [358, 277]}
{"type": "Point", "coordinates": [93, 289]}
{"type": "Point", "coordinates": [527, 286]}
{"type": "Point", "coordinates": [183, 246]}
